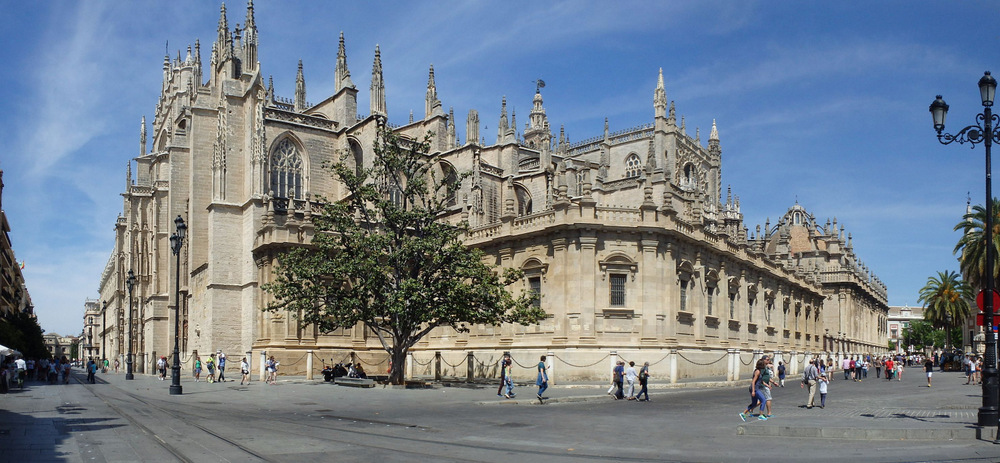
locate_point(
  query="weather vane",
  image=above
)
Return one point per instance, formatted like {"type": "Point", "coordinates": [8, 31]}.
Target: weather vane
{"type": "Point", "coordinates": [539, 84]}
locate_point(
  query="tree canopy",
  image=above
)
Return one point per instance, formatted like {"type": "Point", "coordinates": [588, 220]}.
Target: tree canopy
{"type": "Point", "coordinates": [971, 247]}
{"type": "Point", "coordinates": [946, 300]}
{"type": "Point", "coordinates": [383, 257]}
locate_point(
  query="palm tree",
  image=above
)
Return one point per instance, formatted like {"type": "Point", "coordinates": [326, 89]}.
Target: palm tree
{"type": "Point", "coordinates": [972, 259]}
{"type": "Point", "coordinates": [945, 299]}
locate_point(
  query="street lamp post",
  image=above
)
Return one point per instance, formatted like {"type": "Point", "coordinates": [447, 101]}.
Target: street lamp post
{"type": "Point", "coordinates": [176, 241]}
{"type": "Point", "coordinates": [130, 282]}
{"type": "Point", "coordinates": [104, 331]}
{"type": "Point", "coordinates": [983, 131]}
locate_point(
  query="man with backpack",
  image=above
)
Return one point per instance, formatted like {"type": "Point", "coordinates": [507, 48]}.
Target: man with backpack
{"type": "Point", "coordinates": [809, 378]}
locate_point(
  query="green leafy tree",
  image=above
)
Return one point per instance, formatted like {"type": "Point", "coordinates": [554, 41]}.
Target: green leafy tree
{"type": "Point", "coordinates": [20, 331]}
{"type": "Point", "coordinates": [384, 258]}
{"type": "Point", "coordinates": [971, 247]}
{"type": "Point", "coordinates": [946, 300]}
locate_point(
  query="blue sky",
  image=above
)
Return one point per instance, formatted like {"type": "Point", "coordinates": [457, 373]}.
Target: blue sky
{"type": "Point", "coordinates": [824, 103]}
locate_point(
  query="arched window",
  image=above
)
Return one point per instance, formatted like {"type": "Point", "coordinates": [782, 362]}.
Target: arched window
{"type": "Point", "coordinates": [286, 171]}
{"type": "Point", "coordinates": [632, 166]}
{"type": "Point", "coordinates": [357, 155]}
{"type": "Point", "coordinates": [523, 200]}
{"type": "Point", "coordinates": [450, 179]}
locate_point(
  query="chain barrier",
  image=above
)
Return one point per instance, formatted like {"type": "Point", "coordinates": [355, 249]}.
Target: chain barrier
{"type": "Point", "coordinates": [530, 367]}
{"type": "Point", "coordinates": [724, 354]}
{"type": "Point", "coordinates": [660, 360]}
{"type": "Point", "coordinates": [740, 356]}
{"type": "Point", "coordinates": [422, 364]}
{"type": "Point", "coordinates": [297, 361]}
{"type": "Point", "coordinates": [453, 366]}
{"type": "Point", "coordinates": [363, 362]}
{"type": "Point", "coordinates": [581, 366]}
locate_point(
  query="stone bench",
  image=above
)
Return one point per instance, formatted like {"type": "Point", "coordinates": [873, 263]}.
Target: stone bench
{"type": "Point", "coordinates": [354, 382]}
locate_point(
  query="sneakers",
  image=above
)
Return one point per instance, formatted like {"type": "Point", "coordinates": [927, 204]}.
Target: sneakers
{"type": "Point", "coordinates": [762, 418]}
{"type": "Point", "coordinates": [743, 416]}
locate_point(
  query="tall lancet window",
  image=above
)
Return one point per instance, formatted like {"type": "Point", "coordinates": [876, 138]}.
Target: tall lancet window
{"type": "Point", "coordinates": [286, 171]}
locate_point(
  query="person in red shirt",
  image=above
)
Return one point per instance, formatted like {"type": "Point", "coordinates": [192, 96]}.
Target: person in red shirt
{"type": "Point", "coordinates": [889, 364]}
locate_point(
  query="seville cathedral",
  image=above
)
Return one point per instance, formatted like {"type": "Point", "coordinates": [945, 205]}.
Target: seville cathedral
{"type": "Point", "coordinates": [637, 249]}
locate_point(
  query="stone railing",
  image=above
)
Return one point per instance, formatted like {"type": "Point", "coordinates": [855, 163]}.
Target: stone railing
{"type": "Point", "coordinates": [618, 214]}
{"type": "Point", "coordinates": [297, 118]}
{"type": "Point", "coordinates": [536, 220]}
{"type": "Point", "coordinates": [492, 170]}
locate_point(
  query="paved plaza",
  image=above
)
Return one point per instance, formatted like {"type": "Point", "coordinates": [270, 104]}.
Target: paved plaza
{"type": "Point", "coordinates": [306, 420]}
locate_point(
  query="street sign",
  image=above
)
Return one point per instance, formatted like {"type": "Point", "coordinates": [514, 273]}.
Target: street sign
{"type": "Point", "coordinates": [980, 302]}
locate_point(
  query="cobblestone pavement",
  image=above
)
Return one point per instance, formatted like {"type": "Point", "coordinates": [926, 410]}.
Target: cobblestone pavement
{"type": "Point", "coordinates": [304, 420]}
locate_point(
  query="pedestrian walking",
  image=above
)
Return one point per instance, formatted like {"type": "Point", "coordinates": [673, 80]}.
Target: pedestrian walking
{"type": "Point", "coordinates": [509, 379]}
{"type": "Point", "coordinates": [755, 394]}
{"type": "Point", "coordinates": [766, 380]}
{"type": "Point", "coordinates": [781, 374]}
{"type": "Point", "coordinates": [222, 367]}
{"type": "Point", "coordinates": [91, 371]}
{"type": "Point", "coordinates": [643, 383]}
{"type": "Point", "coordinates": [161, 366]}
{"type": "Point", "coordinates": [210, 363]}
{"type": "Point", "coordinates": [245, 371]}
{"type": "Point", "coordinates": [618, 375]}
{"type": "Point", "coordinates": [117, 363]}
{"type": "Point", "coordinates": [824, 383]}
{"type": "Point", "coordinates": [503, 374]}
{"type": "Point", "coordinates": [543, 378]}
{"type": "Point", "coordinates": [106, 366]}
{"type": "Point", "coordinates": [878, 367]}
{"type": "Point", "coordinates": [630, 376]}
{"type": "Point", "coordinates": [845, 365]}
{"type": "Point", "coordinates": [272, 371]}
{"type": "Point", "coordinates": [809, 378]}
{"type": "Point", "coordinates": [929, 368]}
{"type": "Point", "coordinates": [899, 370]}
{"type": "Point", "coordinates": [197, 368]}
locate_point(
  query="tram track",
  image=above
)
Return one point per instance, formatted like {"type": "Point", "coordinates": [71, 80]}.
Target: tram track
{"type": "Point", "coordinates": [362, 434]}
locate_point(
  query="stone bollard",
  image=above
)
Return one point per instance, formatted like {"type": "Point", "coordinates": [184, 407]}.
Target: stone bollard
{"type": "Point", "coordinates": [309, 364]}
{"type": "Point", "coordinates": [409, 366]}
{"type": "Point", "coordinates": [470, 359]}
{"type": "Point", "coordinates": [793, 363]}
{"type": "Point", "coordinates": [263, 361]}
{"type": "Point", "coordinates": [550, 358]}
{"type": "Point", "coordinates": [437, 365]}
{"type": "Point", "coordinates": [734, 365]}
{"type": "Point", "coordinates": [673, 366]}
{"type": "Point", "coordinates": [249, 355]}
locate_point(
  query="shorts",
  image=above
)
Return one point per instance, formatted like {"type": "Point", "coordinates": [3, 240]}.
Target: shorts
{"type": "Point", "coordinates": [766, 392]}
{"type": "Point", "coordinates": [929, 373]}
{"type": "Point", "coordinates": [245, 372]}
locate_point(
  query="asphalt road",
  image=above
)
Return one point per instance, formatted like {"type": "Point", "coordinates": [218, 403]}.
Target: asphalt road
{"type": "Point", "coordinates": [299, 420]}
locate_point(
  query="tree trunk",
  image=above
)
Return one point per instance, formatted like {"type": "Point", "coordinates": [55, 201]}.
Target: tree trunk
{"type": "Point", "coordinates": [397, 375]}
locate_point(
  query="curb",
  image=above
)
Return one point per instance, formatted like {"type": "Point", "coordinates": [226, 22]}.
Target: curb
{"type": "Point", "coordinates": [922, 434]}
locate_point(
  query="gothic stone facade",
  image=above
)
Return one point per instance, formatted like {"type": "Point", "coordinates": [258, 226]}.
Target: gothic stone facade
{"type": "Point", "coordinates": [626, 236]}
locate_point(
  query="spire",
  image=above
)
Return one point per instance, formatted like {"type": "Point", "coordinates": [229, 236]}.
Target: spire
{"type": "Point", "coordinates": [713, 140]}
{"type": "Point", "coordinates": [142, 137]}
{"type": "Point", "coordinates": [660, 97]}
{"type": "Point", "coordinates": [197, 61]}
{"type": "Point", "coordinates": [300, 90]}
{"type": "Point", "coordinates": [223, 43]}
{"type": "Point", "coordinates": [342, 76]}
{"type": "Point", "coordinates": [606, 129]}
{"type": "Point", "coordinates": [378, 86]}
{"type": "Point", "coordinates": [270, 89]}
{"type": "Point", "coordinates": [250, 40]}
{"type": "Point", "coordinates": [452, 142]}
{"type": "Point", "coordinates": [128, 175]}
{"type": "Point", "coordinates": [502, 125]}
{"type": "Point", "coordinates": [472, 127]}
{"type": "Point", "coordinates": [512, 130]}
{"type": "Point", "coordinates": [432, 106]}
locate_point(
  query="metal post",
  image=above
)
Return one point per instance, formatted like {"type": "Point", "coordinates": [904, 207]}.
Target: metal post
{"type": "Point", "coordinates": [130, 281]}
{"type": "Point", "coordinates": [975, 134]}
{"type": "Point", "coordinates": [176, 241]}
{"type": "Point", "coordinates": [988, 412]}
